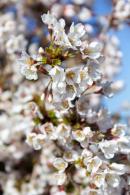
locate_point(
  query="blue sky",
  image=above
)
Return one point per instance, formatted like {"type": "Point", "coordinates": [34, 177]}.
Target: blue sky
{"type": "Point", "coordinates": [113, 104]}
{"type": "Point", "coordinates": [124, 37]}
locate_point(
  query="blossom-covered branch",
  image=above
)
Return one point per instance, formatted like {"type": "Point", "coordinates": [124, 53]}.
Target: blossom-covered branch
{"type": "Point", "coordinates": [87, 147]}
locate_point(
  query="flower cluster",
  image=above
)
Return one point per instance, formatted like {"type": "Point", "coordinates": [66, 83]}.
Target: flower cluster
{"type": "Point", "coordinates": [87, 147]}
{"type": "Point", "coordinates": [66, 80]}
{"type": "Point", "coordinates": [11, 40]}
{"type": "Point", "coordinates": [121, 11]}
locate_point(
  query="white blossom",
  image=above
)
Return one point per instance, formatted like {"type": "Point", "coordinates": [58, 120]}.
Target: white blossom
{"type": "Point", "coordinates": [36, 140]}
{"type": "Point", "coordinates": [28, 67]}
{"type": "Point", "coordinates": [72, 75]}
{"type": "Point", "coordinates": [104, 122]}
{"type": "Point", "coordinates": [78, 135]}
{"type": "Point", "coordinates": [49, 19]}
{"type": "Point", "coordinates": [93, 164]}
{"type": "Point", "coordinates": [88, 132]}
{"type": "Point", "coordinates": [99, 179]}
{"type": "Point", "coordinates": [63, 131]}
{"type": "Point", "coordinates": [118, 130]}
{"type": "Point", "coordinates": [60, 164]}
{"type": "Point", "coordinates": [76, 32]}
{"type": "Point", "coordinates": [109, 148]}
{"type": "Point", "coordinates": [49, 130]}
{"type": "Point", "coordinates": [113, 180]}
{"type": "Point", "coordinates": [91, 50]}
{"type": "Point", "coordinates": [70, 156]}
{"type": "Point", "coordinates": [57, 179]}
{"type": "Point", "coordinates": [16, 44]}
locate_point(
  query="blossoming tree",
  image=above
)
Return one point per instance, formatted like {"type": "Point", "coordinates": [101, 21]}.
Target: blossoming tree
{"type": "Point", "coordinates": [57, 138]}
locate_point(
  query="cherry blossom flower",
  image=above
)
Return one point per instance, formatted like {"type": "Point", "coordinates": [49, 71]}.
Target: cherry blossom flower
{"type": "Point", "coordinates": [92, 50]}
{"type": "Point", "coordinates": [28, 66]}
{"type": "Point", "coordinates": [109, 148]}
{"type": "Point", "coordinates": [60, 164]}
